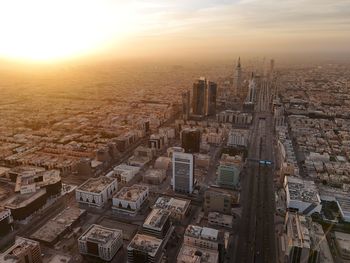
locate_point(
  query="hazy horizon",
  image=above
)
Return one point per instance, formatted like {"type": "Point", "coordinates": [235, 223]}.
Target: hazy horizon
{"type": "Point", "coordinates": [84, 30]}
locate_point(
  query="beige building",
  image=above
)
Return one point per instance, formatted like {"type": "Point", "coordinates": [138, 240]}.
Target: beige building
{"type": "Point", "coordinates": [216, 200]}
{"type": "Point", "coordinates": [23, 251]}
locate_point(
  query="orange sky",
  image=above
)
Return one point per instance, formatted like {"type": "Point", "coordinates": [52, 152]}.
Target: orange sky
{"type": "Point", "coordinates": [41, 30]}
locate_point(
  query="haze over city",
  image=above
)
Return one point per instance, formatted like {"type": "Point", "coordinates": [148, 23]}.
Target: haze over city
{"type": "Point", "coordinates": [175, 131]}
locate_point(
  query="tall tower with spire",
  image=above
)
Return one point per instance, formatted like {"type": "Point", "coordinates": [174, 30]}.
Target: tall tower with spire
{"type": "Point", "coordinates": [237, 79]}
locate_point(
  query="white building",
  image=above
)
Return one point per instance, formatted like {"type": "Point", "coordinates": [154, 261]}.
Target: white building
{"type": "Point", "coordinates": [124, 173]}
{"type": "Point", "coordinates": [99, 241]}
{"type": "Point", "coordinates": [302, 196]}
{"type": "Point", "coordinates": [183, 172]}
{"type": "Point", "coordinates": [130, 199]}
{"type": "Point", "coordinates": [238, 137]}
{"type": "Point", "coordinates": [202, 237]}
{"type": "Point", "coordinates": [96, 191]}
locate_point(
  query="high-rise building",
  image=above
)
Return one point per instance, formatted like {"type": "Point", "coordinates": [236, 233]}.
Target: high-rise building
{"type": "Point", "coordinates": [198, 99]}
{"type": "Point", "coordinates": [237, 78]}
{"type": "Point", "coordinates": [183, 172]}
{"type": "Point", "coordinates": [210, 108]}
{"type": "Point", "coordinates": [186, 104]}
{"type": "Point", "coordinates": [204, 97]}
{"type": "Point", "coordinates": [190, 140]}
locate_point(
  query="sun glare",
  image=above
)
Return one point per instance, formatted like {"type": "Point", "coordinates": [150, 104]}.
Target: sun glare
{"type": "Point", "coordinates": [42, 30]}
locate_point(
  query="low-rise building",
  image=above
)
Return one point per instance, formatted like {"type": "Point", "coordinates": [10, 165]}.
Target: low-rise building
{"type": "Point", "coordinates": [124, 173]}
{"type": "Point", "coordinates": [24, 205]}
{"type": "Point", "coordinates": [178, 208]}
{"type": "Point", "coordinates": [157, 223]}
{"type": "Point", "coordinates": [302, 196]}
{"type": "Point", "coordinates": [130, 199]}
{"type": "Point", "coordinates": [202, 237]}
{"type": "Point", "coordinates": [145, 249]}
{"type": "Point", "coordinates": [191, 254]}
{"type": "Point", "coordinates": [96, 191]}
{"type": "Point", "coordinates": [217, 219]}
{"type": "Point", "coordinates": [101, 242]}
{"type": "Point", "coordinates": [57, 227]}
{"type": "Point", "coordinates": [154, 176]}
{"type": "Point", "coordinates": [216, 200]}
{"type": "Point", "coordinates": [23, 251]}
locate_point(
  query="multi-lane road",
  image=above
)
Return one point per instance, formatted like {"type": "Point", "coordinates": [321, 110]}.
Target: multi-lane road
{"type": "Point", "coordinates": [256, 239]}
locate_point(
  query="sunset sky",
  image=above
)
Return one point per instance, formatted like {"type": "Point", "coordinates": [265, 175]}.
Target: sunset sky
{"type": "Point", "coordinates": [42, 30]}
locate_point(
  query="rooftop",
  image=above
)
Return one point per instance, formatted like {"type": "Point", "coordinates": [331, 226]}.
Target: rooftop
{"type": "Point", "coordinates": [21, 245]}
{"type": "Point", "coordinates": [100, 234]}
{"type": "Point", "coordinates": [202, 232]}
{"type": "Point", "coordinates": [172, 204]}
{"type": "Point", "coordinates": [96, 185]}
{"type": "Point", "coordinates": [156, 219]}
{"type": "Point", "coordinates": [190, 254]}
{"type": "Point", "coordinates": [57, 225]}
{"type": "Point", "coordinates": [302, 190]}
{"type": "Point", "coordinates": [22, 200]}
{"type": "Point", "coordinates": [146, 243]}
{"type": "Point", "coordinates": [131, 193]}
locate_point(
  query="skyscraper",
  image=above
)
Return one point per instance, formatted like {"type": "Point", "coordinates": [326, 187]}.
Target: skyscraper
{"type": "Point", "coordinates": [198, 99]}
{"type": "Point", "coordinates": [204, 97]}
{"type": "Point", "coordinates": [183, 172]}
{"type": "Point", "coordinates": [237, 78]}
{"type": "Point", "coordinates": [186, 105]}
{"type": "Point", "coordinates": [210, 108]}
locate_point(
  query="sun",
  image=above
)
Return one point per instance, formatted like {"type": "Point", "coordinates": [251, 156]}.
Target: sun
{"type": "Point", "coordinates": [47, 30]}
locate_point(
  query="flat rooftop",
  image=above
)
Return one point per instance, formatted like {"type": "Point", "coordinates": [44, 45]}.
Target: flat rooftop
{"type": "Point", "coordinates": [21, 244]}
{"type": "Point", "coordinates": [227, 219]}
{"type": "Point", "coordinates": [22, 200]}
{"type": "Point", "coordinates": [100, 234]}
{"type": "Point", "coordinates": [57, 225]}
{"type": "Point", "coordinates": [131, 193]}
{"type": "Point", "coordinates": [172, 204]}
{"type": "Point", "coordinates": [302, 190]}
{"type": "Point", "coordinates": [96, 185]}
{"type": "Point", "coordinates": [48, 177]}
{"type": "Point", "coordinates": [145, 243]}
{"type": "Point", "coordinates": [202, 232]}
{"type": "Point", "coordinates": [190, 254]}
{"type": "Point", "coordinates": [156, 218]}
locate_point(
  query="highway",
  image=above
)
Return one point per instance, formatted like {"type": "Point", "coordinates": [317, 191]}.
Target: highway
{"type": "Point", "coordinates": [256, 237]}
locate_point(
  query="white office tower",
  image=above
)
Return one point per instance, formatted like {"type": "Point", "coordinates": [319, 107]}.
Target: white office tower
{"type": "Point", "coordinates": [183, 172]}
{"type": "Point", "coordinates": [251, 90]}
